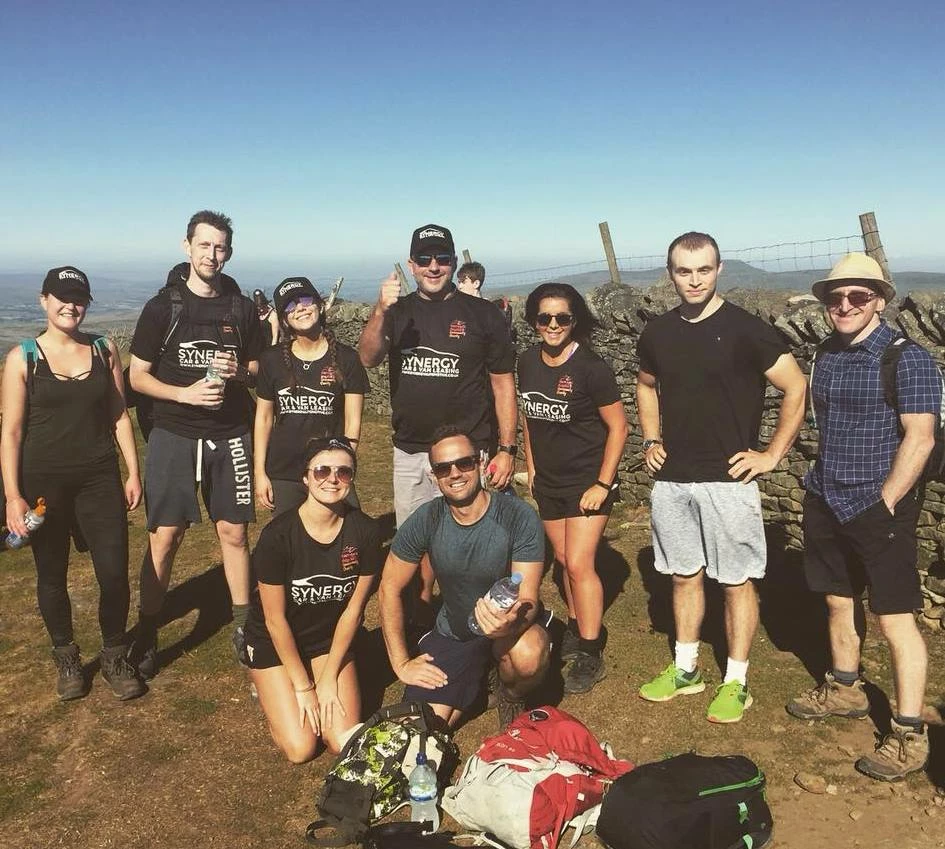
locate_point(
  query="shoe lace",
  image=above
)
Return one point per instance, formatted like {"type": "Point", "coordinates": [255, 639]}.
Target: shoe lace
{"type": "Point", "coordinates": [118, 666]}
{"type": "Point", "coordinates": [69, 664]}
{"type": "Point", "coordinates": [893, 746]}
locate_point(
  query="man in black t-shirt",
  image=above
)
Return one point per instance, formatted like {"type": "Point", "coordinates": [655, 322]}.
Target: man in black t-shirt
{"type": "Point", "coordinates": [447, 350]}
{"type": "Point", "coordinates": [201, 429]}
{"type": "Point", "coordinates": [700, 395]}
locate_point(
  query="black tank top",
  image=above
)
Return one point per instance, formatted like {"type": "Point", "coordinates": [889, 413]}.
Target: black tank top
{"type": "Point", "coordinates": [68, 424]}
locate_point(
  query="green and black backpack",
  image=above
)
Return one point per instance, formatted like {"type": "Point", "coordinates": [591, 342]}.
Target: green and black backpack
{"type": "Point", "coordinates": [688, 802]}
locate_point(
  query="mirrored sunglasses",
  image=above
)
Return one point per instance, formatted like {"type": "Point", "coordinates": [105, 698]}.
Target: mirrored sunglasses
{"type": "Point", "coordinates": [441, 259]}
{"type": "Point", "coordinates": [344, 474]}
{"type": "Point", "coordinates": [463, 464]}
{"type": "Point", "coordinates": [564, 319]}
{"type": "Point", "coordinates": [303, 301]}
{"type": "Point", "coordinates": [854, 299]}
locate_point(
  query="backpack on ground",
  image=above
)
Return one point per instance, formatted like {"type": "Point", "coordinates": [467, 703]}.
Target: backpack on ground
{"type": "Point", "coordinates": [368, 779]}
{"type": "Point", "coordinates": [688, 802]}
{"type": "Point", "coordinates": [546, 772]}
{"type": "Point", "coordinates": [177, 277]}
{"type": "Point", "coordinates": [935, 466]}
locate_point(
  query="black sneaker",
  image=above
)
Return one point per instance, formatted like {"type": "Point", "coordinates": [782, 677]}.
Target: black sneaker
{"type": "Point", "coordinates": [507, 706]}
{"type": "Point", "coordinates": [584, 673]}
{"type": "Point", "coordinates": [71, 683]}
{"type": "Point", "coordinates": [120, 674]}
{"type": "Point", "coordinates": [570, 645]}
{"type": "Point", "coordinates": [143, 656]}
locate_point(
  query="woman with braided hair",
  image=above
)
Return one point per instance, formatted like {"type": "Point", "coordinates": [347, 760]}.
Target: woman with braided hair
{"type": "Point", "coordinates": [308, 386]}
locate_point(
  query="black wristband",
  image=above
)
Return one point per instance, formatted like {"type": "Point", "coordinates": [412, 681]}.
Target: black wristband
{"type": "Point", "coordinates": [604, 485]}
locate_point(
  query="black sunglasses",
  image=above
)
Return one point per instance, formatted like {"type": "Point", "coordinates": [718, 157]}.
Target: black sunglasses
{"type": "Point", "coordinates": [564, 319]}
{"type": "Point", "coordinates": [423, 260]}
{"type": "Point", "coordinates": [463, 464]}
{"type": "Point", "coordinates": [345, 474]}
{"type": "Point", "coordinates": [854, 299]}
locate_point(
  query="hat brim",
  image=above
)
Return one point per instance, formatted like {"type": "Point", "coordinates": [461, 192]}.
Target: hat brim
{"type": "Point", "coordinates": [434, 246]}
{"type": "Point", "coordinates": [68, 293]}
{"type": "Point", "coordinates": [884, 288]}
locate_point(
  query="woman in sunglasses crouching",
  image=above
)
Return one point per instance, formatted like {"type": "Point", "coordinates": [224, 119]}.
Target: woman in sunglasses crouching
{"type": "Point", "coordinates": [313, 569]}
{"type": "Point", "coordinates": [575, 428]}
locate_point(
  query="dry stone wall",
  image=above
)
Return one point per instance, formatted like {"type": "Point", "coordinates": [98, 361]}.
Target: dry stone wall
{"type": "Point", "coordinates": [623, 312]}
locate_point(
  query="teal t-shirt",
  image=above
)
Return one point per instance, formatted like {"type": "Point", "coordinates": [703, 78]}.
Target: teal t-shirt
{"type": "Point", "coordinates": [468, 559]}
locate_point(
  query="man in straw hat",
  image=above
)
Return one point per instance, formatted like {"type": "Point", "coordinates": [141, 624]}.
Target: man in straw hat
{"type": "Point", "coordinates": [863, 499]}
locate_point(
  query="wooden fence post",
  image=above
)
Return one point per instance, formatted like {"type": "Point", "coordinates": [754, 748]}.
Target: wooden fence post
{"type": "Point", "coordinates": [609, 251]}
{"type": "Point", "coordinates": [872, 243]}
{"type": "Point", "coordinates": [403, 278]}
{"type": "Point", "coordinates": [466, 256]}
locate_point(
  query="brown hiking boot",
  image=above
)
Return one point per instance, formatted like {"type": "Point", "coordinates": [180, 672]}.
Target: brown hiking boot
{"type": "Point", "coordinates": [120, 674]}
{"type": "Point", "coordinates": [831, 699]}
{"type": "Point", "coordinates": [507, 705]}
{"type": "Point", "coordinates": [902, 751]}
{"type": "Point", "coordinates": [71, 683]}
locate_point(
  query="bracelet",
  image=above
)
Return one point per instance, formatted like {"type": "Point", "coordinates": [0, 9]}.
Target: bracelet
{"type": "Point", "coordinates": [604, 485]}
{"type": "Point", "coordinates": [308, 689]}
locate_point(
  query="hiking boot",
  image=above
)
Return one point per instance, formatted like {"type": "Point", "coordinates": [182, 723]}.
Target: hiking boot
{"type": "Point", "coordinates": [672, 682]}
{"type": "Point", "coordinates": [492, 687]}
{"type": "Point", "coordinates": [831, 699]}
{"type": "Point", "coordinates": [570, 645]}
{"type": "Point", "coordinates": [120, 674]}
{"type": "Point", "coordinates": [584, 673]}
{"type": "Point", "coordinates": [239, 646]}
{"type": "Point", "coordinates": [71, 683]}
{"type": "Point", "coordinates": [902, 751]}
{"type": "Point", "coordinates": [729, 703]}
{"type": "Point", "coordinates": [507, 705]}
{"type": "Point", "coordinates": [143, 656]}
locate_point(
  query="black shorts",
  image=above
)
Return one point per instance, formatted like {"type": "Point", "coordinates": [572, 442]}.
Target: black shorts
{"type": "Point", "coordinates": [551, 507]}
{"type": "Point", "coordinates": [170, 479]}
{"type": "Point", "coordinates": [465, 663]}
{"type": "Point", "coordinates": [261, 653]}
{"type": "Point", "coordinates": [874, 549]}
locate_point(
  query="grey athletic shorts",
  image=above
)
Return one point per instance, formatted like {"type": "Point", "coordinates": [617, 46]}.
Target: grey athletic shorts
{"type": "Point", "coordinates": [413, 483]}
{"type": "Point", "coordinates": [172, 474]}
{"type": "Point", "coordinates": [715, 526]}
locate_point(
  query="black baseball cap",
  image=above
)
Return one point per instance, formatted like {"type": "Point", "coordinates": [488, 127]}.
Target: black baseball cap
{"type": "Point", "coordinates": [292, 288]}
{"type": "Point", "coordinates": [432, 239]}
{"type": "Point", "coordinates": [66, 283]}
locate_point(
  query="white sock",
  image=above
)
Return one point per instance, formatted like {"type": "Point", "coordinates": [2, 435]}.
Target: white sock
{"type": "Point", "coordinates": [687, 656]}
{"type": "Point", "coordinates": [736, 670]}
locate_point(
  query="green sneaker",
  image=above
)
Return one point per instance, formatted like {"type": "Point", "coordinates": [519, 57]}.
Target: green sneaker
{"type": "Point", "coordinates": [729, 703]}
{"type": "Point", "coordinates": [672, 682]}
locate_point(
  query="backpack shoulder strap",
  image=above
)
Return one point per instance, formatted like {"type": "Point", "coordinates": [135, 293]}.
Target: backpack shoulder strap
{"type": "Point", "coordinates": [888, 365]}
{"type": "Point", "coordinates": [30, 350]}
{"type": "Point", "coordinates": [100, 346]}
{"type": "Point", "coordinates": [177, 309]}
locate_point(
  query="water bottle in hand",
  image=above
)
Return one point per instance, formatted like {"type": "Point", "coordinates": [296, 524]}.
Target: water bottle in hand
{"type": "Point", "coordinates": [213, 376]}
{"type": "Point", "coordinates": [503, 595]}
{"type": "Point", "coordinates": [424, 793]}
{"type": "Point", "coordinates": [33, 519]}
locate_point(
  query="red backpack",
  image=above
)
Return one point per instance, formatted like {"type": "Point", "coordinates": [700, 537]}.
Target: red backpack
{"type": "Point", "coordinates": [544, 773]}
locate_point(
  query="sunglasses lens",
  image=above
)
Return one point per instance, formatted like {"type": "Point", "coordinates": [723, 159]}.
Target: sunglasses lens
{"type": "Point", "coordinates": [463, 464]}
{"type": "Point", "coordinates": [563, 319]}
{"type": "Point", "coordinates": [441, 259]}
{"type": "Point", "coordinates": [854, 299]}
{"type": "Point", "coordinates": [345, 474]}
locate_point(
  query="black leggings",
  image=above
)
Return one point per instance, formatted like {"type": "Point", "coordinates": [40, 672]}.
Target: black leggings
{"type": "Point", "coordinates": [94, 497]}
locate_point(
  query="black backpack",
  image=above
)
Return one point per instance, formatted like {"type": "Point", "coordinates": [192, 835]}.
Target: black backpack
{"type": "Point", "coordinates": [144, 404]}
{"type": "Point", "coordinates": [935, 466]}
{"type": "Point", "coordinates": [688, 802]}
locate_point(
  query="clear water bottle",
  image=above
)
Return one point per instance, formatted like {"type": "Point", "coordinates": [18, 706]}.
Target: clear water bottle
{"type": "Point", "coordinates": [503, 595]}
{"type": "Point", "coordinates": [213, 376]}
{"type": "Point", "coordinates": [424, 793]}
{"type": "Point", "coordinates": [33, 519]}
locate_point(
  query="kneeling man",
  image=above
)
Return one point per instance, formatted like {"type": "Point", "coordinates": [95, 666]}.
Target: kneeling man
{"type": "Point", "coordinates": [474, 538]}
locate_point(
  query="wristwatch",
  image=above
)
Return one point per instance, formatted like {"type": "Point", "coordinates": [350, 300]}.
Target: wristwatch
{"type": "Point", "coordinates": [649, 443]}
{"type": "Point", "coordinates": [511, 450]}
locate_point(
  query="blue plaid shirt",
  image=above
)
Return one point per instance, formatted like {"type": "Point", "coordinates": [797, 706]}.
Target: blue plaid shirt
{"type": "Point", "coordinates": [859, 432]}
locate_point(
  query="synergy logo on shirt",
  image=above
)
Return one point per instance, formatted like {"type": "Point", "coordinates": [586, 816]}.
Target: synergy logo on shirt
{"type": "Point", "coordinates": [305, 401]}
{"type": "Point", "coordinates": [428, 362]}
{"type": "Point", "coordinates": [196, 354]}
{"type": "Point", "coordinates": [538, 406]}
{"type": "Point", "coordinates": [316, 589]}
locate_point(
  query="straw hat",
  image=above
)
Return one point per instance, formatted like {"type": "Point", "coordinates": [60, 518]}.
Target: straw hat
{"type": "Point", "coordinates": [856, 268]}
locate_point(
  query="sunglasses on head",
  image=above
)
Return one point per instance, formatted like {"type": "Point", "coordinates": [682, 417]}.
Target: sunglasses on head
{"type": "Point", "coordinates": [423, 260]}
{"type": "Point", "coordinates": [854, 299]}
{"type": "Point", "coordinates": [463, 464]}
{"type": "Point", "coordinates": [564, 319]}
{"type": "Point", "coordinates": [345, 474]}
{"type": "Point", "coordinates": [303, 301]}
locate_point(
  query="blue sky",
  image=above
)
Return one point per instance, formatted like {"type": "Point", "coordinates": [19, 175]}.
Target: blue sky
{"type": "Point", "coordinates": [328, 130]}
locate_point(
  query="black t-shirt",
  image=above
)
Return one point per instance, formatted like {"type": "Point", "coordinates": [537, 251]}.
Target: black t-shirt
{"type": "Point", "coordinates": [566, 432]}
{"type": "Point", "coordinates": [711, 383]}
{"type": "Point", "coordinates": [441, 355]}
{"type": "Point", "coordinates": [315, 409]}
{"type": "Point", "coordinates": [319, 578]}
{"type": "Point", "coordinates": [205, 325]}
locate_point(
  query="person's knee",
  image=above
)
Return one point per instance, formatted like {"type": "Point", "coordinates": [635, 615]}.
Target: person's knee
{"type": "Point", "coordinates": [688, 583]}
{"type": "Point", "coordinates": [231, 534]}
{"type": "Point", "coordinates": [299, 749]}
{"type": "Point", "coordinates": [165, 540]}
{"type": "Point", "coordinates": [530, 655]}
{"type": "Point", "coordinates": [897, 627]}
